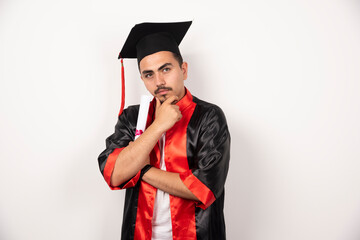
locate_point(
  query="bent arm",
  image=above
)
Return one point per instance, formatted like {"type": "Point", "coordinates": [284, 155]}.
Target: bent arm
{"type": "Point", "coordinates": [135, 156]}
{"type": "Point", "coordinates": [168, 182]}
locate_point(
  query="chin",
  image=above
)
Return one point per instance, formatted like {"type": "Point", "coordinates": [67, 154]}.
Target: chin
{"type": "Point", "coordinates": [163, 98]}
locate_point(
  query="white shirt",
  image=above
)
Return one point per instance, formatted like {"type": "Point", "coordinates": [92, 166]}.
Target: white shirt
{"type": "Point", "coordinates": [161, 222]}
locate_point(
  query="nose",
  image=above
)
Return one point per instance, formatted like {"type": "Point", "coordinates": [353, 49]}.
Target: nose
{"type": "Point", "coordinates": [159, 80]}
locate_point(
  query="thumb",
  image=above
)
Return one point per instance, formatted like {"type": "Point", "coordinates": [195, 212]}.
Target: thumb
{"type": "Point", "coordinates": [158, 103]}
{"type": "Point", "coordinates": [157, 106]}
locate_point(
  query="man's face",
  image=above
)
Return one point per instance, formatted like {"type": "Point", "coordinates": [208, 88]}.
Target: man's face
{"type": "Point", "coordinates": [162, 75]}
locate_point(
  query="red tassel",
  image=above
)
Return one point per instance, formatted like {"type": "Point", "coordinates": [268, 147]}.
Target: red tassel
{"type": "Point", "coordinates": [122, 87]}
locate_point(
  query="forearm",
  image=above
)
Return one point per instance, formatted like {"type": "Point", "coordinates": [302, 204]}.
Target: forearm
{"type": "Point", "coordinates": [135, 156]}
{"type": "Point", "coordinates": [168, 182]}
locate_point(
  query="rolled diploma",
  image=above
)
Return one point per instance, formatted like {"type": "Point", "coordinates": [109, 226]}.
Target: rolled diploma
{"type": "Point", "coordinates": [143, 113]}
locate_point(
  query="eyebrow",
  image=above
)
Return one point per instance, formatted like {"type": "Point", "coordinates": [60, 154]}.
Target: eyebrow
{"type": "Point", "coordinates": [159, 69]}
{"type": "Point", "coordinates": [163, 66]}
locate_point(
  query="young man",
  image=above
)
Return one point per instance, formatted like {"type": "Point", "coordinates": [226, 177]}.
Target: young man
{"type": "Point", "coordinates": [174, 173]}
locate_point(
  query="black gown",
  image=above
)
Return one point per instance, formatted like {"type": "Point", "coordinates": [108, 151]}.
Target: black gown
{"type": "Point", "coordinates": [198, 148]}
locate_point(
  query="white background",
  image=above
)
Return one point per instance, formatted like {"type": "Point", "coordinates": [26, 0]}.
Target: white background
{"type": "Point", "coordinates": [286, 74]}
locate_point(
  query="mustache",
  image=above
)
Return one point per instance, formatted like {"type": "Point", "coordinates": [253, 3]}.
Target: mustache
{"type": "Point", "coordinates": [162, 88]}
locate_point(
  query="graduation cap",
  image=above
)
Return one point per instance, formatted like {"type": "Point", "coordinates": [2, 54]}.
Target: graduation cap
{"type": "Point", "coordinates": [148, 38]}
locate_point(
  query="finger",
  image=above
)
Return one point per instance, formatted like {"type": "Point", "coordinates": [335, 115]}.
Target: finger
{"type": "Point", "coordinates": [176, 108]}
{"type": "Point", "coordinates": [171, 99]}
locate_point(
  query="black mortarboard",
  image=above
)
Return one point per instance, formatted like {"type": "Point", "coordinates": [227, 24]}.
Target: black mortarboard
{"type": "Point", "coordinates": [148, 38]}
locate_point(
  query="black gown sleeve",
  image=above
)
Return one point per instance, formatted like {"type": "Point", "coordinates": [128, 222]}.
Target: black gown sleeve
{"type": "Point", "coordinates": [206, 181]}
{"type": "Point", "coordinates": [115, 143]}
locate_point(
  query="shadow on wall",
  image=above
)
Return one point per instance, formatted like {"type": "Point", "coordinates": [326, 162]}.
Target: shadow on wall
{"type": "Point", "coordinates": [196, 81]}
{"type": "Point", "coordinates": [240, 202]}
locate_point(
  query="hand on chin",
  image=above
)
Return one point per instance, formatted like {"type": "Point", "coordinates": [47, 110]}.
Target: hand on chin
{"type": "Point", "coordinates": [164, 97]}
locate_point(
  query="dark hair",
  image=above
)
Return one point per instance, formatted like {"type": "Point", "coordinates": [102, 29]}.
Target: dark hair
{"type": "Point", "coordinates": [178, 58]}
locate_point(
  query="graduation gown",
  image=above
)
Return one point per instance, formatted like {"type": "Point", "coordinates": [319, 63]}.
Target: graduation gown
{"type": "Point", "coordinates": [198, 148]}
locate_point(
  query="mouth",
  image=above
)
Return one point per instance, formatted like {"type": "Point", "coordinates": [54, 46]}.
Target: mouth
{"type": "Point", "coordinates": [163, 92]}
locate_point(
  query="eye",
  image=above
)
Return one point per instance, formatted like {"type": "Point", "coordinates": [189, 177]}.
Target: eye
{"type": "Point", "coordinates": [148, 75]}
{"type": "Point", "coordinates": [166, 69]}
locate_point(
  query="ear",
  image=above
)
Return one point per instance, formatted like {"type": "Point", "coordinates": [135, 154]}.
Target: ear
{"type": "Point", "coordinates": [184, 68]}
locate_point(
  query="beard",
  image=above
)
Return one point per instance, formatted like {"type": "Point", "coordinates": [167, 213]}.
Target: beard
{"type": "Point", "coordinates": [165, 96]}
